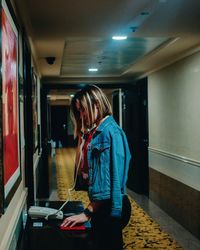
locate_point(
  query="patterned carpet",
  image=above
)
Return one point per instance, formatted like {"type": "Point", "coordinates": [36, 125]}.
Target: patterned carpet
{"type": "Point", "coordinates": [142, 232]}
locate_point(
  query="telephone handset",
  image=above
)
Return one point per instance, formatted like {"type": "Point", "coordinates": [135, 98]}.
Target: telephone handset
{"type": "Point", "coordinates": [44, 212]}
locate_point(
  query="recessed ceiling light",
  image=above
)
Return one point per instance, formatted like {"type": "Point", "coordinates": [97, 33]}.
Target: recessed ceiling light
{"type": "Point", "coordinates": [93, 69]}
{"type": "Point", "coordinates": [133, 28]}
{"type": "Point", "coordinates": [119, 37]}
{"type": "Point", "coordinates": [144, 13]}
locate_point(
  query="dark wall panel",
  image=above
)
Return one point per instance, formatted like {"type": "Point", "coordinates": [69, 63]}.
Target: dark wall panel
{"type": "Point", "coordinates": [177, 199]}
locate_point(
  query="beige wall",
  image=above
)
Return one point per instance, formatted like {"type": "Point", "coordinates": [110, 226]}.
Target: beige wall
{"type": "Point", "coordinates": [174, 120]}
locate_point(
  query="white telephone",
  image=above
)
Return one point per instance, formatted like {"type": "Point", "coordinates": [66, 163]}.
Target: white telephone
{"type": "Point", "coordinates": [45, 212]}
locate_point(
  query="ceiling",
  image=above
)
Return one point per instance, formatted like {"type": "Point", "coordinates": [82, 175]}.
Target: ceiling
{"type": "Point", "coordinates": [79, 35]}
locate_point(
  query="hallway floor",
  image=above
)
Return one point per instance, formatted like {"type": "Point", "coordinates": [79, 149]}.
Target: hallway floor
{"type": "Point", "coordinates": [178, 232]}
{"type": "Point", "coordinates": [184, 238]}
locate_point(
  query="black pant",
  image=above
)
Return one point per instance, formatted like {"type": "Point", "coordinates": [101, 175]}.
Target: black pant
{"type": "Point", "coordinates": [107, 230]}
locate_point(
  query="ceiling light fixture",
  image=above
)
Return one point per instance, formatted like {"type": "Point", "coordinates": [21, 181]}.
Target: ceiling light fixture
{"type": "Point", "coordinates": [119, 37]}
{"type": "Point", "coordinates": [93, 69]}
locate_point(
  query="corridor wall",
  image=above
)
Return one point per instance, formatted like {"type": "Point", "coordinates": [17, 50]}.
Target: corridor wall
{"type": "Point", "coordinates": [174, 140]}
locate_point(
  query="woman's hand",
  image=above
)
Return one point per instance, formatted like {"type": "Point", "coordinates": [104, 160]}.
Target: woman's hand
{"type": "Point", "coordinates": [75, 219]}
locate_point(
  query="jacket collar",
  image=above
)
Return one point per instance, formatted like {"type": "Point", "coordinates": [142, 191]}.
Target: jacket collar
{"type": "Point", "coordinates": [105, 123]}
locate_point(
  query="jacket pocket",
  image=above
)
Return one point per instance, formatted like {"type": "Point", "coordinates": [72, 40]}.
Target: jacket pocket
{"type": "Point", "coordinates": [100, 147]}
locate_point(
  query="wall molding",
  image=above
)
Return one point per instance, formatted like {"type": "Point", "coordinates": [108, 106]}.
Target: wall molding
{"type": "Point", "coordinates": [188, 53]}
{"type": "Point", "coordinates": [175, 156]}
{"type": "Point", "coordinates": [182, 169]}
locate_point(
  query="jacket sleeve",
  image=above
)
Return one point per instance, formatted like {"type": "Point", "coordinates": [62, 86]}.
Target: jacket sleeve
{"type": "Point", "coordinates": [117, 169]}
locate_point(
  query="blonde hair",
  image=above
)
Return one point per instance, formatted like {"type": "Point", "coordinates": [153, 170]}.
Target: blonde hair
{"type": "Point", "coordinates": [88, 97]}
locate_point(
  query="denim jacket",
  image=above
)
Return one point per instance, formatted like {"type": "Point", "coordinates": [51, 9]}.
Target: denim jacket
{"type": "Point", "coordinates": [108, 160]}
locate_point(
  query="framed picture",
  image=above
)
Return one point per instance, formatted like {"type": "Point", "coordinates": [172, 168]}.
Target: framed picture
{"type": "Point", "coordinates": [35, 110]}
{"type": "Point", "coordinates": [10, 170]}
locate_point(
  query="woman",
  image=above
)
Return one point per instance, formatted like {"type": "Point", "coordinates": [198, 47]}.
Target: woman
{"type": "Point", "coordinates": [103, 162]}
